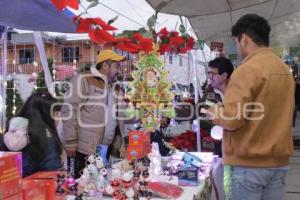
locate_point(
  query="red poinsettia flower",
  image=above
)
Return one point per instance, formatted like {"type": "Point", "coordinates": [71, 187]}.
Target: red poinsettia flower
{"type": "Point", "coordinates": [61, 4]}
{"type": "Point", "coordinates": [163, 48]}
{"type": "Point", "coordinates": [137, 36]}
{"type": "Point", "coordinates": [203, 133]}
{"type": "Point", "coordinates": [163, 32]}
{"type": "Point", "coordinates": [187, 140]}
{"type": "Point", "coordinates": [174, 34]}
{"type": "Point", "coordinates": [73, 4]}
{"type": "Point", "coordinates": [127, 47]}
{"type": "Point", "coordinates": [190, 43]}
{"type": "Point", "coordinates": [102, 24]}
{"type": "Point", "coordinates": [101, 36]}
{"type": "Point", "coordinates": [176, 40]}
{"type": "Point", "coordinates": [146, 44]}
{"type": "Point", "coordinates": [83, 26]}
{"type": "Point", "coordinates": [123, 39]}
{"type": "Point", "coordinates": [95, 38]}
{"type": "Point", "coordinates": [183, 50]}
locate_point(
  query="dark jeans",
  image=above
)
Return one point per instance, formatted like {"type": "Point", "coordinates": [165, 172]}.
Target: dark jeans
{"type": "Point", "coordinates": [79, 165]}
{"type": "Point", "coordinates": [50, 162]}
{"type": "Point", "coordinates": [297, 109]}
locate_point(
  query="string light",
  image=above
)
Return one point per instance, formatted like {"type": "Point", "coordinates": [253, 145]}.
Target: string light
{"type": "Point", "coordinates": [14, 98]}
{"type": "Point", "coordinates": [2, 105]}
{"type": "Point", "coordinates": [74, 64]}
{"type": "Point", "coordinates": [34, 75]}
{"type": "Point", "coordinates": [35, 64]}
{"type": "Point", "coordinates": [54, 73]}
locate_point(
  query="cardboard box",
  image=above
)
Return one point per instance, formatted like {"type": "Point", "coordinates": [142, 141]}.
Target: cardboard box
{"type": "Point", "coordinates": [18, 196]}
{"type": "Point", "coordinates": [10, 174]}
{"type": "Point", "coordinates": [34, 190]}
{"type": "Point", "coordinates": [188, 176]}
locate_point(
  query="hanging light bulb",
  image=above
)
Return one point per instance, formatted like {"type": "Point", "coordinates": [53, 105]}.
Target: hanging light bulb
{"type": "Point", "coordinates": [217, 132]}
{"type": "Point", "coordinates": [14, 62]}
{"type": "Point", "coordinates": [2, 106]}
{"type": "Point", "coordinates": [35, 63]}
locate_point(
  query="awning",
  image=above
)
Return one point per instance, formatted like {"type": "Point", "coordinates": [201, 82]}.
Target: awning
{"type": "Point", "coordinates": [213, 19]}
{"type": "Point", "coordinates": [35, 15]}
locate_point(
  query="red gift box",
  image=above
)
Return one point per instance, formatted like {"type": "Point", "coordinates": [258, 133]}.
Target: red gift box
{"type": "Point", "coordinates": [10, 174]}
{"type": "Point", "coordinates": [139, 145]}
{"type": "Point", "coordinates": [34, 190]}
{"type": "Point", "coordinates": [136, 138]}
{"type": "Point", "coordinates": [48, 179]}
{"type": "Point", "coordinates": [134, 152]}
{"type": "Point", "coordinates": [18, 196]}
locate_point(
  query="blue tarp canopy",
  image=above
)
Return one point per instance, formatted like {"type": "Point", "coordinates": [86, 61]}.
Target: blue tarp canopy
{"type": "Point", "coordinates": [35, 15]}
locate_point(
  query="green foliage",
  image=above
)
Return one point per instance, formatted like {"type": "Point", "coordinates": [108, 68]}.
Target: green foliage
{"type": "Point", "coordinates": [42, 86]}
{"type": "Point", "coordinates": [40, 82]}
{"type": "Point", "coordinates": [151, 21]}
{"type": "Point", "coordinates": [112, 20]}
{"type": "Point", "coordinates": [150, 61]}
{"type": "Point", "coordinates": [9, 100]}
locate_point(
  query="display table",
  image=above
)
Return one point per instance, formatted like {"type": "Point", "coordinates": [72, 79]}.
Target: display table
{"type": "Point", "coordinates": [189, 193]}
{"type": "Point", "coordinates": [208, 170]}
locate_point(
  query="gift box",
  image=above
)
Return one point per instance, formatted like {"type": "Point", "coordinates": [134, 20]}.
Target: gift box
{"type": "Point", "coordinates": [188, 176]}
{"type": "Point", "coordinates": [34, 190]}
{"type": "Point", "coordinates": [135, 152]}
{"type": "Point", "coordinates": [139, 145]}
{"type": "Point", "coordinates": [10, 174]}
{"type": "Point", "coordinates": [18, 196]}
{"type": "Point", "coordinates": [138, 138]}
{"type": "Point", "coordinates": [48, 180]}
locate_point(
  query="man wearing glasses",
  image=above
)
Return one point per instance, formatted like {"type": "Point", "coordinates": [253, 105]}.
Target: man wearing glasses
{"type": "Point", "coordinates": [219, 72]}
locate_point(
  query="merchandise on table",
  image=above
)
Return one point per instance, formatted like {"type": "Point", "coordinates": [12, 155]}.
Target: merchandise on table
{"type": "Point", "coordinates": [188, 176]}
{"type": "Point", "coordinates": [10, 174]}
{"type": "Point", "coordinates": [18, 196]}
{"type": "Point", "coordinates": [34, 190]}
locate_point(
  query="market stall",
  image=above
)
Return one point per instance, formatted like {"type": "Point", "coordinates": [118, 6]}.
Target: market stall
{"type": "Point", "coordinates": [144, 172]}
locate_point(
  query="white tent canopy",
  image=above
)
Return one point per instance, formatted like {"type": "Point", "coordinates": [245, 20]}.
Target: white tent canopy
{"type": "Point", "coordinates": [212, 20]}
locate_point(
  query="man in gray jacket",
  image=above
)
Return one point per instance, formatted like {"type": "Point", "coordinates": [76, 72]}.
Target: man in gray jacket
{"type": "Point", "coordinates": [89, 109]}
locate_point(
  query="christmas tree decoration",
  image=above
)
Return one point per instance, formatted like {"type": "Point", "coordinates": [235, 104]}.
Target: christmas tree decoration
{"type": "Point", "coordinates": [150, 92]}
{"type": "Point", "coordinates": [40, 84]}
{"type": "Point", "coordinates": [13, 99]}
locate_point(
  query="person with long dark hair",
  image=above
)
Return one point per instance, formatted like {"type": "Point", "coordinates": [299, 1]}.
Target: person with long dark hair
{"type": "Point", "coordinates": [44, 148]}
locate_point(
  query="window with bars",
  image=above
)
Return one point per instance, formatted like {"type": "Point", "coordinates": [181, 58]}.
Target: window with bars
{"type": "Point", "coordinates": [26, 56]}
{"type": "Point", "coordinates": [69, 54]}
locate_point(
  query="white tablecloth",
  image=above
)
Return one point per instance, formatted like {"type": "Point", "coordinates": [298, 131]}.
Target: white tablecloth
{"type": "Point", "coordinates": [188, 193]}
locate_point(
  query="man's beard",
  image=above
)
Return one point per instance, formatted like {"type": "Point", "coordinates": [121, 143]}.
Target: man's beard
{"type": "Point", "coordinates": [114, 78]}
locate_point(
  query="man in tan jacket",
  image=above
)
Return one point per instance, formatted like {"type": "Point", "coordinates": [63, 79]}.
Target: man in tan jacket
{"type": "Point", "coordinates": [256, 116]}
{"type": "Point", "coordinates": [89, 109]}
